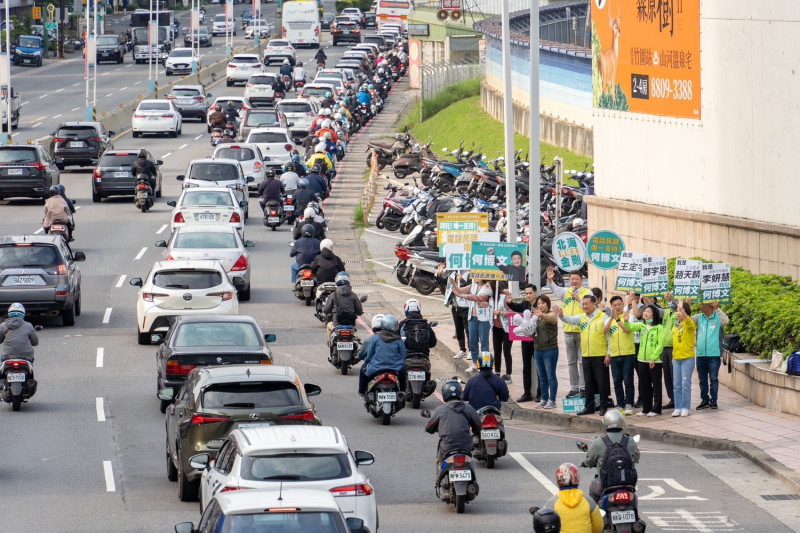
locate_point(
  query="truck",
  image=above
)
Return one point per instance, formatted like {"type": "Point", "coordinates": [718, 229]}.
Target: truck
{"type": "Point", "coordinates": [29, 51]}
{"type": "Point", "coordinates": [16, 105]}
{"type": "Point", "coordinates": [165, 19]}
{"type": "Point", "coordinates": [161, 48]}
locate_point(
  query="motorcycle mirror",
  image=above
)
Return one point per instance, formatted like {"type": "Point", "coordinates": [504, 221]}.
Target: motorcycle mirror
{"type": "Point", "coordinates": [433, 324]}
{"type": "Point", "coordinates": [38, 327]}
{"type": "Point", "coordinates": [581, 445]}
{"type": "Point", "coordinates": [364, 298]}
{"type": "Point", "coordinates": [636, 438]}
{"type": "Point", "coordinates": [533, 510]}
{"type": "Point", "coordinates": [425, 413]}
{"type": "Point", "coordinates": [172, 203]}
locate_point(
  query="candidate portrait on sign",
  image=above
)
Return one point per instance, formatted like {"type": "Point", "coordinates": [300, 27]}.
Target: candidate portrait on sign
{"type": "Point", "coordinates": [516, 270]}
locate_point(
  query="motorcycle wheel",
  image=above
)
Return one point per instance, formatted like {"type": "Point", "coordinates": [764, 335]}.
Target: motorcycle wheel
{"type": "Point", "coordinates": [461, 502]}
{"type": "Point", "coordinates": [16, 402]}
{"type": "Point", "coordinates": [416, 399]}
{"type": "Point", "coordinates": [402, 279]}
{"type": "Point", "coordinates": [400, 174]}
{"type": "Point", "coordinates": [405, 229]}
{"type": "Point", "coordinates": [309, 300]}
{"type": "Point", "coordinates": [386, 418]}
{"type": "Point", "coordinates": [490, 461]}
{"type": "Point", "coordinates": [391, 226]}
{"type": "Point", "coordinates": [144, 207]}
{"type": "Point", "coordinates": [274, 228]}
{"type": "Point", "coordinates": [344, 368]}
{"type": "Point", "coordinates": [379, 223]}
{"type": "Point", "coordinates": [423, 288]}
{"type": "Point", "coordinates": [426, 179]}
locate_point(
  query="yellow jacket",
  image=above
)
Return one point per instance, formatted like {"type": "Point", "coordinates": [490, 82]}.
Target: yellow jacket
{"type": "Point", "coordinates": [578, 514]}
{"type": "Point", "coordinates": [684, 339]}
{"type": "Point", "coordinates": [322, 159]}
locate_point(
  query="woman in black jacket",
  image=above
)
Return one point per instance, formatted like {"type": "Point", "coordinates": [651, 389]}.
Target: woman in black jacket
{"type": "Point", "coordinates": [327, 264]}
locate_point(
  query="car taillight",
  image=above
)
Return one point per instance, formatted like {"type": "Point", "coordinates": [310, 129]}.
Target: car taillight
{"type": "Point", "coordinates": [257, 166]}
{"type": "Point", "coordinates": [490, 421]}
{"type": "Point", "coordinates": [200, 98]}
{"type": "Point", "coordinates": [39, 166]}
{"type": "Point", "coordinates": [206, 419]}
{"type": "Point", "coordinates": [288, 147]}
{"type": "Point", "coordinates": [235, 218]}
{"type": "Point", "coordinates": [171, 97]}
{"type": "Point", "coordinates": [459, 459]}
{"type": "Point", "coordinates": [58, 140]}
{"type": "Point", "coordinates": [225, 295]}
{"type": "Point", "coordinates": [169, 258]}
{"type": "Point", "coordinates": [307, 274]}
{"type": "Point", "coordinates": [57, 269]}
{"type": "Point", "coordinates": [148, 296]}
{"type": "Point", "coordinates": [229, 488]}
{"type": "Point", "coordinates": [137, 115]}
{"type": "Point", "coordinates": [167, 115]}
{"type": "Point", "coordinates": [176, 369]}
{"type": "Point", "coordinates": [301, 415]}
{"type": "Point", "coordinates": [97, 174]}
{"type": "Point", "coordinates": [362, 489]}
{"type": "Point", "coordinates": [179, 218]}
{"type": "Point", "coordinates": [241, 264]}
{"type": "Point", "coordinates": [356, 30]}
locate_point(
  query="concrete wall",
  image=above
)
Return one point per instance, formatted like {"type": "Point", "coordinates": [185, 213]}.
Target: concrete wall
{"type": "Point", "coordinates": [756, 382]}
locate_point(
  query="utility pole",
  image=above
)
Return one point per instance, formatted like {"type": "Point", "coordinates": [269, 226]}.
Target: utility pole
{"type": "Point", "coordinates": [508, 119]}
{"type": "Point", "coordinates": [534, 176]}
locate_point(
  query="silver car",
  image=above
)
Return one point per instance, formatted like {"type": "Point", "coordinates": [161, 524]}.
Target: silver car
{"type": "Point", "coordinates": [300, 112]}
{"type": "Point", "coordinates": [222, 243]}
{"type": "Point", "coordinates": [191, 100]}
{"type": "Point", "coordinates": [249, 156]}
{"type": "Point", "coordinates": [209, 172]}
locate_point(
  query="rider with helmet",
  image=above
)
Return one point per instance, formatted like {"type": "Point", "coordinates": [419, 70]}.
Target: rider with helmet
{"type": "Point", "coordinates": [63, 192]}
{"type": "Point", "coordinates": [290, 179]}
{"type": "Point", "coordinates": [364, 97]}
{"type": "Point", "coordinates": [303, 196]}
{"type": "Point", "coordinates": [143, 165]}
{"type": "Point", "coordinates": [295, 165]}
{"type": "Point", "coordinates": [56, 211]}
{"type": "Point", "coordinates": [299, 73]}
{"type": "Point", "coordinates": [487, 388]}
{"type": "Point", "coordinates": [453, 421]}
{"type": "Point", "coordinates": [304, 250]}
{"type": "Point", "coordinates": [386, 352]}
{"type": "Point", "coordinates": [614, 424]}
{"type": "Point", "coordinates": [320, 157]}
{"type": "Point", "coordinates": [217, 118]}
{"type": "Point", "coordinates": [417, 334]}
{"type": "Point", "coordinates": [309, 217]}
{"type": "Point", "coordinates": [328, 101]}
{"type": "Point", "coordinates": [317, 182]}
{"type": "Point", "coordinates": [376, 327]}
{"type": "Point", "coordinates": [576, 511]}
{"type": "Point", "coordinates": [321, 57]}
{"type": "Point", "coordinates": [270, 189]}
{"type": "Point", "coordinates": [286, 69]}
{"type": "Point", "coordinates": [17, 336]}
{"type": "Point", "coordinates": [343, 305]}
{"type": "Point", "coordinates": [327, 264]}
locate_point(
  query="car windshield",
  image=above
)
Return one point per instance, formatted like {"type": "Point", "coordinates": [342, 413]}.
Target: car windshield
{"type": "Point", "coordinates": [216, 334]}
{"type": "Point", "coordinates": [117, 160]}
{"type": "Point", "coordinates": [113, 40]}
{"type": "Point", "coordinates": [315, 91]}
{"type": "Point", "coordinates": [285, 522]}
{"type": "Point", "coordinates": [201, 29]}
{"type": "Point", "coordinates": [185, 92]}
{"type": "Point", "coordinates": [181, 53]}
{"type": "Point", "coordinates": [29, 43]}
{"type": "Point", "coordinates": [245, 59]}
{"type": "Point", "coordinates": [304, 466]}
{"type": "Point", "coordinates": [255, 120]}
{"type": "Point", "coordinates": [187, 279]}
{"type": "Point", "coordinates": [77, 132]}
{"type": "Point", "coordinates": [267, 137]}
{"type": "Point", "coordinates": [219, 18]}
{"type": "Point", "coordinates": [18, 155]}
{"type": "Point", "coordinates": [239, 154]}
{"type": "Point", "coordinates": [33, 256]}
{"type": "Point", "coordinates": [261, 80]}
{"type": "Point", "coordinates": [206, 199]}
{"type": "Point", "coordinates": [251, 395]}
{"type": "Point", "coordinates": [294, 107]}
{"type": "Point", "coordinates": [195, 241]}
{"type": "Point", "coordinates": [278, 43]}
{"type": "Point", "coordinates": [213, 172]}
{"type": "Point", "coordinates": [154, 106]}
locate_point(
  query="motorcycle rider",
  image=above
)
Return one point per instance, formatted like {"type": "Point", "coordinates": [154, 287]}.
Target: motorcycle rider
{"type": "Point", "coordinates": [576, 511]}
{"type": "Point", "coordinates": [343, 306]}
{"type": "Point", "coordinates": [413, 321]}
{"type": "Point", "coordinates": [546, 521]}
{"type": "Point", "coordinates": [316, 182]}
{"type": "Point", "coordinates": [56, 211]}
{"type": "Point", "coordinates": [328, 101]}
{"type": "Point", "coordinates": [386, 352]}
{"type": "Point", "coordinates": [309, 218]}
{"type": "Point", "coordinates": [364, 97]}
{"type": "Point", "coordinates": [305, 250]}
{"type": "Point", "coordinates": [321, 57]}
{"type": "Point", "coordinates": [326, 127]}
{"type": "Point", "coordinates": [327, 264]}
{"type": "Point", "coordinates": [299, 73]}
{"type": "Point", "coordinates": [296, 165]}
{"type": "Point", "coordinates": [270, 189]}
{"type": "Point", "coordinates": [286, 70]}
{"type": "Point", "coordinates": [614, 424]}
{"type": "Point", "coordinates": [487, 388]}
{"type": "Point", "coordinates": [142, 165]}
{"type": "Point", "coordinates": [231, 113]}
{"type": "Point", "coordinates": [321, 158]}
{"type": "Point", "coordinates": [376, 327]}
{"type": "Point", "coordinates": [217, 118]}
{"type": "Point", "coordinates": [63, 192]}
{"type": "Point", "coordinates": [453, 421]}
{"type": "Point", "coordinates": [303, 196]}
{"type": "Point", "coordinates": [290, 179]}
{"type": "Point", "coordinates": [17, 336]}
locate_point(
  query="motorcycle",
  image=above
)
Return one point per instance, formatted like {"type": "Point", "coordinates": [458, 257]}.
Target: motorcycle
{"type": "Point", "coordinates": [392, 209]}
{"type": "Point", "coordinates": [324, 290]}
{"type": "Point", "coordinates": [144, 198]}
{"type": "Point", "coordinates": [216, 136]}
{"type": "Point", "coordinates": [288, 209]}
{"type": "Point", "coordinates": [273, 214]}
{"type": "Point", "coordinates": [16, 375]}
{"type": "Point", "coordinates": [384, 397]}
{"type": "Point", "coordinates": [287, 82]}
{"type": "Point", "coordinates": [409, 163]}
{"type": "Point", "coordinates": [344, 346]}
{"type": "Point", "coordinates": [491, 444]}
{"type": "Point", "coordinates": [305, 284]}
{"type": "Point", "coordinates": [59, 228]}
{"type": "Point", "coordinates": [299, 84]}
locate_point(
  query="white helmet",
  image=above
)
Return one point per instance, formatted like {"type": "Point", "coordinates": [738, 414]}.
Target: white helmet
{"type": "Point", "coordinates": [577, 223]}
{"type": "Point", "coordinates": [309, 213]}
{"type": "Point", "coordinates": [285, 61]}
{"type": "Point", "coordinates": [320, 148]}
{"type": "Point", "coordinates": [412, 306]}
{"type": "Point", "coordinates": [337, 116]}
{"type": "Point", "coordinates": [326, 244]}
{"type": "Point", "coordinates": [326, 111]}
{"type": "Point", "coordinates": [16, 309]}
{"type": "Point", "coordinates": [326, 123]}
{"type": "Point", "coordinates": [376, 321]}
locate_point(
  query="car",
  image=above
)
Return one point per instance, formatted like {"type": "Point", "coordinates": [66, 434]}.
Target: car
{"type": "Point", "coordinates": [110, 48]}
{"type": "Point", "coordinates": [222, 25]}
{"type": "Point", "coordinates": [370, 20]}
{"type": "Point", "coordinates": [241, 67]}
{"type": "Point", "coordinates": [113, 176]}
{"type": "Point", "coordinates": [278, 50]}
{"type": "Point", "coordinates": [214, 400]}
{"type": "Point", "coordinates": [241, 104]}
{"type": "Point", "coordinates": [358, 55]}
{"type": "Point", "coordinates": [41, 273]}
{"type": "Point", "coordinates": [208, 340]}
{"type": "Point", "coordinates": [276, 143]}
{"type": "Point", "coordinates": [258, 89]}
{"type": "Point", "coordinates": [80, 143]}
{"type": "Point", "coordinates": [340, 19]}
{"type": "Point", "coordinates": [258, 27]}
{"type": "Point", "coordinates": [187, 287]}
{"type": "Point", "coordinates": [380, 40]}
{"type": "Point", "coordinates": [354, 13]}
{"type": "Point", "coordinates": [249, 156]}
{"type": "Point", "coordinates": [27, 171]}
{"type": "Point", "coordinates": [209, 172]}
{"type": "Point", "coordinates": [156, 116]}
{"type": "Point", "coordinates": [337, 82]}
{"type": "Point", "coordinates": [180, 61]}
{"type": "Point", "coordinates": [301, 112]}
{"type": "Point", "coordinates": [295, 457]}
{"type": "Point", "coordinates": [200, 36]}
{"type": "Point", "coordinates": [332, 73]}
{"type": "Point", "coordinates": [371, 49]}
{"type": "Point", "coordinates": [317, 90]}
{"type": "Point", "coordinates": [248, 17]}
{"type": "Point", "coordinates": [355, 66]}
{"type": "Point", "coordinates": [262, 118]}
{"type": "Point", "coordinates": [207, 206]}
{"type": "Point", "coordinates": [192, 101]}
{"type": "Point", "coordinates": [326, 20]}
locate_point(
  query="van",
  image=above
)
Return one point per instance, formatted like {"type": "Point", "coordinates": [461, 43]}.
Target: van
{"type": "Point", "coordinates": [301, 24]}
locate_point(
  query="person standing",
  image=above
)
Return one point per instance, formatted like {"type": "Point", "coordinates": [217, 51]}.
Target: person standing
{"type": "Point", "coordinates": [710, 323]}
{"type": "Point", "coordinates": [651, 344]}
{"type": "Point", "coordinates": [479, 297]}
{"type": "Point", "coordinates": [571, 297]}
{"type": "Point", "coordinates": [459, 308]}
{"type": "Point", "coordinates": [622, 354]}
{"type": "Point", "coordinates": [668, 320]}
{"type": "Point", "coordinates": [633, 303]}
{"type": "Point", "coordinates": [594, 348]}
{"type": "Point", "coordinates": [545, 344]}
{"type": "Point", "coordinates": [530, 377]}
{"type": "Point", "coordinates": [500, 341]}
{"type": "Point", "coordinates": [684, 339]}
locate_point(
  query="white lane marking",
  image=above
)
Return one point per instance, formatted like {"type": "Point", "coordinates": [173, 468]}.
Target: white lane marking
{"type": "Point", "coordinates": [183, 146]}
{"type": "Point", "coordinates": [198, 137]}
{"type": "Point", "coordinates": [414, 294]}
{"type": "Point", "coordinates": [22, 104]}
{"type": "Point", "coordinates": [109, 94]}
{"type": "Point", "coordinates": [76, 84]}
{"type": "Point", "coordinates": [390, 267]}
{"type": "Point", "coordinates": [118, 69]}
{"type": "Point", "coordinates": [59, 90]}
{"type": "Point", "coordinates": [121, 281]}
{"type": "Point", "coordinates": [43, 96]}
{"type": "Point", "coordinates": [101, 410]}
{"type": "Point", "coordinates": [109, 474]}
{"type": "Point", "coordinates": [140, 254]}
{"type": "Point", "coordinates": [37, 124]}
{"type": "Point", "coordinates": [56, 116]}
{"type": "Point", "coordinates": [382, 234]}
{"type": "Point", "coordinates": [532, 470]}
{"type": "Point", "coordinates": [74, 108]}
{"type": "Point", "coordinates": [137, 82]}
{"type": "Point", "coordinates": [166, 155]}
{"type": "Point", "coordinates": [107, 315]}
{"type": "Point", "coordinates": [38, 231]}
{"type": "Point", "coordinates": [99, 359]}
{"type": "Point", "coordinates": [161, 229]}
{"type": "Point", "coordinates": [106, 73]}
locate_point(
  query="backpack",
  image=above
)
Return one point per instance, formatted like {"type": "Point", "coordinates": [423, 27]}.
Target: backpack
{"type": "Point", "coordinates": [793, 364]}
{"type": "Point", "coordinates": [618, 469]}
{"type": "Point", "coordinates": [417, 337]}
{"type": "Point", "coordinates": [732, 343]}
{"type": "Point", "coordinates": [343, 318]}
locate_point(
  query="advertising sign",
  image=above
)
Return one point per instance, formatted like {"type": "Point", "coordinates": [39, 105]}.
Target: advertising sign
{"type": "Point", "coordinates": [686, 282]}
{"type": "Point", "coordinates": [604, 249]}
{"type": "Point", "coordinates": [569, 251]}
{"type": "Point", "coordinates": [512, 329]}
{"type": "Point", "coordinates": [504, 261]}
{"type": "Point", "coordinates": [451, 4]}
{"type": "Point", "coordinates": [456, 228]}
{"type": "Point", "coordinates": [629, 275]}
{"type": "Point", "coordinates": [655, 278]}
{"type": "Point", "coordinates": [646, 56]}
{"type": "Point", "coordinates": [715, 283]}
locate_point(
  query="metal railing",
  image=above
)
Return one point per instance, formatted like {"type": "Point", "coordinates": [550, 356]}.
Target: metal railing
{"type": "Point", "coordinates": [434, 78]}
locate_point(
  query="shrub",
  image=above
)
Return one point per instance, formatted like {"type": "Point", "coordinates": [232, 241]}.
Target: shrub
{"type": "Point", "coordinates": [358, 216]}
{"type": "Point", "coordinates": [363, 5]}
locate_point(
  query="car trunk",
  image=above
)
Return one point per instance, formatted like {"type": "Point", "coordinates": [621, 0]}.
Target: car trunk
{"type": "Point", "coordinates": [28, 284]}
{"type": "Point", "coordinates": [227, 257]}
{"type": "Point", "coordinates": [77, 140]}
{"type": "Point", "coordinates": [115, 171]}
{"type": "Point", "coordinates": [190, 288]}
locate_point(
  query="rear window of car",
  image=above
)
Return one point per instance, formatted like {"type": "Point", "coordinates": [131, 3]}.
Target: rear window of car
{"type": "Point", "coordinates": [206, 198]}
{"type": "Point", "coordinates": [302, 522]}
{"type": "Point", "coordinates": [255, 395]}
{"type": "Point", "coordinates": [33, 256]}
{"type": "Point", "coordinates": [255, 120]}
{"type": "Point", "coordinates": [181, 53]}
{"type": "Point", "coordinates": [267, 137]}
{"type": "Point", "coordinates": [116, 160]}
{"type": "Point", "coordinates": [219, 18]}
{"type": "Point", "coordinates": [239, 154]}
{"type": "Point", "coordinates": [216, 334]}
{"type": "Point", "coordinates": [187, 279]}
{"type": "Point", "coordinates": [154, 106]}
{"type": "Point", "coordinates": [349, 25]}
{"type": "Point", "coordinates": [196, 241]}
{"type": "Point", "coordinates": [315, 91]}
{"type": "Point", "coordinates": [185, 92]}
{"type": "Point", "coordinates": [238, 104]}
{"type": "Point", "coordinates": [302, 466]}
{"type": "Point", "coordinates": [245, 59]}
{"type": "Point", "coordinates": [77, 132]}
{"type": "Point", "coordinates": [278, 43]}
{"type": "Point", "coordinates": [18, 155]}
{"type": "Point", "coordinates": [213, 172]}
{"type": "Point", "coordinates": [294, 107]}
{"type": "Point", "coordinates": [262, 80]}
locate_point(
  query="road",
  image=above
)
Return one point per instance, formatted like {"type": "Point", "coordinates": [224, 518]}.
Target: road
{"type": "Point", "coordinates": [87, 453]}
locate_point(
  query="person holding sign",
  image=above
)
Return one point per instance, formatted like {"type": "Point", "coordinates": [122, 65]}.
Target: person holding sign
{"type": "Point", "coordinates": [479, 297]}
{"type": "Point", "coordinates": [710, 323]}
{"type": "Point", "coordinates": [622, 354]}
{"type": "Point", "coordinates": [529, 374]}
{"type": "Point", "coordinates": [572, 297]}
{"type": "Point", "coordinates": [684, 340]}
{"type": "Point", "coordinates": [651, 336]}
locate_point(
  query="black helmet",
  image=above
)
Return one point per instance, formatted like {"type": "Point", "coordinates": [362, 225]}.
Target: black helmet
{"type": "Point", "coordinates": [316, 169]}
{"type": "Point", "coordinates": [61, 189]}
{"type": "Point", "coordinates": [546, 521]}
{"type": "Point", "coordinates": [299, 63]}
{"type": "Point", "coordinates": [141, 154]}
{"type": "Point", "coordinates": [307, 230]}
{"type": "Point", "coordinates": [303, 183]}
{"type": "Point", "coordinates": [451, 390]}
{"type": "Point", "coordinates": [269, 173]}
{"type": "Point", "coordinates": [53, 191]}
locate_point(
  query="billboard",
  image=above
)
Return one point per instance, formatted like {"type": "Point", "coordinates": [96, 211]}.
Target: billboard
{"type": "Point", "coordinates": [646, 56]}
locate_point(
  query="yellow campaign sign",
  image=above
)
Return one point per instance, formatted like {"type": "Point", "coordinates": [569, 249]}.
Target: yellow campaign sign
{"type": "Point", "coordinates": [646, 56]}
{"type": "Point", "coordinates": [460, 228]}
{"type": "Point", "coordinates": [37, 13]}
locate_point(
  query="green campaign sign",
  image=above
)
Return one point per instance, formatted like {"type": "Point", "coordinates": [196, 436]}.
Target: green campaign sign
{"type": "Point", "coordinates": [569, 251]}
{"type": "Point", "coordinates": [604, 249]}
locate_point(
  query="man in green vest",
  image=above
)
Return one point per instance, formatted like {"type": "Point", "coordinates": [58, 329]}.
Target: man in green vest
{"type": "Point", "coordinates": [710, 323]}
{"type": "Point", "coordinates": [571, 297]}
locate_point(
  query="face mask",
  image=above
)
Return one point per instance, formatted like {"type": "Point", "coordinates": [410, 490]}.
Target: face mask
{"type": "Point", "coordinates": [649, 321]}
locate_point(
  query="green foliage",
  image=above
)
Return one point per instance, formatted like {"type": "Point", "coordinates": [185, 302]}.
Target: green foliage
{"type": "Point", "coordinates": [358, 216]}
{"type": "Point", "coordinates": [450, 95]}
{"type": "Point", "coordinates": [363, 5]}
{"type": "Point", "coordinates": [618, 101]}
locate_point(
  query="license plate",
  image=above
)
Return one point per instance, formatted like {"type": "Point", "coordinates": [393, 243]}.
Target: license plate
{"type": "Point", "coordinates": [346, 346]}
{"type": "Point", "coordinates": [26, 61]}
{"type": "Point", "coordinates": [206, 217]}
{"type": "Point", "coordinates": [184, 101]}
{"type": "Point", "coordinates": [255, 425]}
{"type": "Point", "coordinates": [416, 376]}
{"type": "Point", "coordinates": [622, 517]}
{"type": "Point", "coordinates": [14, 171]}
{"type": "Point", "coordinates": [273, 220]}
{"type": "Point", "coordinates": [24, 280]}
{"type": "Point", "coordinates": [460, 475]}
{"type": "Point", "coordinates": [153, 118]}
{"type": "Point", "coordinates": [307, 283]}
{"type": "Point", "coordinates": [121, 174]}
{"type": "Point", "coordinates": [75, 144]}
{"type": "Point", "coordinates": [490, 434]}
{"type": "Point", "coordinates": [387, 396]}
{"type": "Point", "coordinates": [288, 208]}
{"type": "Point", "coordinates": [15, 377]}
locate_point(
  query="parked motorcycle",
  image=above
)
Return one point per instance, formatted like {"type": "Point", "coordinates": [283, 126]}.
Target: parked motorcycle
{"type": "Point", "coordinates": [344, 346]}
{"type": "Point", "coordinates": [391, 213]}
{"type": "Point", "coordinates": [144, 197]}
{"type": "Point", "coordinates": [384, 397]}
{"type": "Point", "coordinates": [16, 375]}
{"type": "Point", "coordinates": [273, 214]}
{"type": "Point", "coordinates": [491, 444]}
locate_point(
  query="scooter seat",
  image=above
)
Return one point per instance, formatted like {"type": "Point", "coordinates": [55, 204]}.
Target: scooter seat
{"type": "Point", "coordinates": [381, 144]}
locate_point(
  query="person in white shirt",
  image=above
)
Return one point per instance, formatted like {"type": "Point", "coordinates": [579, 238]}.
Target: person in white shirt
{"type": "Point", "coordinates": [479, 296]}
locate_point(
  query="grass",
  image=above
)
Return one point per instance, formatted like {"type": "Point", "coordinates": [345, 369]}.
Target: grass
{"type": "Point", "coordinates": [358, 216]}
{"type": "Point", "coordinates": [380, 280]}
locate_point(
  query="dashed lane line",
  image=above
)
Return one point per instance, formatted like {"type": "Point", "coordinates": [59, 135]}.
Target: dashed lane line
{"type": "Point", "coordinates": [161, 229]}
{"type": "Point", "coordinates": [121, 281]}
{"type": "Point", "coordinates": [109, 475]}
{"type": "Point", "coordinates": [100, 356]}
{"type": "Point", "coordinates": [140, 254]}
{"type": "Point", "coordinates": [101, 410]}
{"type": "Point", "coordinates": [107, 315]}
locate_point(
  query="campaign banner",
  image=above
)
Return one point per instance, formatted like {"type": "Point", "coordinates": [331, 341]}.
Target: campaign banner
{"type": "Point", "coordinates": [655, 278]}
{"type": "Point", "coordinates": [456, 258]}
{"type": "Point", "coordinates": [569, 251]}
{"type": "Point", "coordinates": [629, 273]}
{"type": "Point", "coordinates": [512, 328]}
{"type": "Point", "coordinates": [686, 280]}
{"type": "Point", "coordinates": [504, 261]}
{"type": "Point", "coordinates": [460, 228]}
{"type": "Point", "coordinates": [715, 283]}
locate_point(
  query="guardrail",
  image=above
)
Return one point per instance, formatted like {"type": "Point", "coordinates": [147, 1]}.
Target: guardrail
{"type": "Point", "coordinates": [434, 78]}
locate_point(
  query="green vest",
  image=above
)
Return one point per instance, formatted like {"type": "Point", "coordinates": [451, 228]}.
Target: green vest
{"type": "Point", "coordinates": [593, 340]}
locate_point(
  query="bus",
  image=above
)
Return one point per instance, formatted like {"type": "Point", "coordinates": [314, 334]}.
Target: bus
{"type": "Point", "coordinates": [396, 11]}
{"type": "Point", "coordinates": [301, 24]}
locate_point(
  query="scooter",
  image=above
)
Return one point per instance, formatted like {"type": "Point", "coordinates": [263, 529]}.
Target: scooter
{"type": "Point", "coordinates": [324, 290]}
{"type": "Point", "coordinates": [305, 284]}
{"type": "Point", "coordinates": [16, 375]}
{"type": "Point", "coordinates": [491, 444]}
{"type": "Point", "coordinates": [273, 214]}
{"type": "Point", "coordinates": [288, 208]}
{"type": "Point", "coordinates": [391, 213]}
{"type": "Point", "coordinates": [344, 345]}
{"type": "Point", "coordinates": [144, 198]}
{"type": "Point", "coordinates": [384, 398]}
{"type": "Point", "coordinates": [420, 385]}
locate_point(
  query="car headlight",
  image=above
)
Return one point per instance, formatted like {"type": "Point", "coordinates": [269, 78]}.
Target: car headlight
{"type": "Point", "coordinates": [37, 53]}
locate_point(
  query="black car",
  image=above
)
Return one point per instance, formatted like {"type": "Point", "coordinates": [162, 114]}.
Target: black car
{"type": "Point", "coordinates": [110, 48]}
{"type": "Point", "coordinates": [326, 21]}
{"type": "Point", "coordinates": [80, 143]}
{"type": "Point", "coordinates": [346, 31]}
{"type": "Point", "coordinates": [369, 20]}
{"type": "Point", "coordinates": [113, 176]}
{"type": "Point", "coordinates": [208, 340]}
{"type": "Point", "coordinates": [27, 171]}
{"type": "Point", "coordinates": [201, 37]}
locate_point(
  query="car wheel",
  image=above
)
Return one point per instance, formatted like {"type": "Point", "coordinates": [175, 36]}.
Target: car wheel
{"type": "Point", "coordinates": [158, 192]}
{"type": "Point", "coordinates": [96, 198]}
{"type": "Point", "coordinates": [144, 338]}
{"type": "Point", "coordinates": [173, 134]}
{"type": "Point", "coordinates": [244, 296]}
{"type": "Point", "coordinates": [172, 472]}
{"type": "Point", "coordinates": [134, 134]}
{"type": "Point", "coordinates": [78, 305]}
{"type": "Point", "coordinates": [203, 118]}
{"type": "Point", "coordinates": [187, 490]}
{"type": "Point", "coordinates": [180, 129]}
{"type": "Point", "coordinates": [68, 316]}
{"type": "Point", "coordinates": [163, 408]}
{"type": "Point", "coordinates": [229, 83]}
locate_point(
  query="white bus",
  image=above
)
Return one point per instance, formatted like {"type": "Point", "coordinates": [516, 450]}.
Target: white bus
{"type": "Point", "coordinates": [396, 11]}
{"type": "Point", "coordinates": [301, 25]}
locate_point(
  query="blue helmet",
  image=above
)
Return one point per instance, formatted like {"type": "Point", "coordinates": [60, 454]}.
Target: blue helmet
{"type": "Point", "coordinates": [389, 322]}
{"type": "Point", "coordinates": [295, 158]}
{"type": "Point", "coordinates": [342, 278]}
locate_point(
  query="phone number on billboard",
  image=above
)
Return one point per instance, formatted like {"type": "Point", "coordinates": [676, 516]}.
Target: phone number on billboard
{"type": "Point", "coordinates": [667, 88]}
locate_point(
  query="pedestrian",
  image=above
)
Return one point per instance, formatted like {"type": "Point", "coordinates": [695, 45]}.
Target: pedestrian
{"type": "Point", "coordinates": [479, 296]}
{"type": "Point", "coordinates": [710, 323]}
{"type": "Point", "coordinates": [571, 297]}
{"type": "Point", "coordinates": [545, 344]}
{"type": "Point", "coordinates": [594, 348]}
{"type": "Point", "coordinates": [649, 359]}
{"type": "Point", "coordinates": [633, 302]}
{"type": "Point", "coordinates": [668, 320]}
{"type": "Point", "coordinates": [530, 377]}
{"type": "Point", "coordinates": [459, 308]}
{"type": "Point", "coordinates": [622, 354]}
{"type": "Point", "coordinates": [500, 341]}
{"type": "Point", "coordinates": [684, 339]}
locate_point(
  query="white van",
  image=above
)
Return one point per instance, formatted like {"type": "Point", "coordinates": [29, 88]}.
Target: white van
{"type": "Point", "coordinates": [301, 25]}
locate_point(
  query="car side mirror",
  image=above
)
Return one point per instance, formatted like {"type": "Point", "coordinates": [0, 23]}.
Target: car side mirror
{"type": "Point", "coordinates": [38, 327]}
{"type": "Point", "coordinates": [159, 162]}
{"type": "Point", "coordinates": [356, 525]}
{"type": "Point", "coordinates": [425, 413]}
{"type": "Point", "coordinates": [291, 124]}
{"type": "Point", "coordinates": [79, 256]}
{"type": "Point", "coordinates": [208, 95]}
{"type": "Point", "coordinates": [111, 133]}
{"type": "Point", "coordinates": [185, 527]}
{"type": "Point", "coordinates": [167, 394]}
{"type": "Point", "coordinates": [298, 140]}
{"type": "Point", "coordinates": [200, 461]}
{"type": "Point", "coordinates": [172, 203]}
{"type": "Point", "coordinates": [243, 203]}
{"type": "Point", "coordinates": [249, 244]}
{"type": "Point", "coordinates": [156, 338]}
{"type": "Point", "coordinates": [136, 282]}
{"type": "Point", "coordinates": [265, 158]}
{"type": "Point", "coordinates": [73, 202]}
{"type": "Point", "coordinates": [180, 178]}
{"type": "Point", "coordinates": [161, 244]}
{"type": "Point", "coordinates": [311, 389]}
{"type": "Point", "coordinates": [270, 337]}
{"type": "Point", "coordinates": [250, 179]}
{"type": "Point", "coordinates": [364, 458]}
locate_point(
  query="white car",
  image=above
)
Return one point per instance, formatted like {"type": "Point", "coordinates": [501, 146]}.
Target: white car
{"type": "Point", "coordinates": [241, 67]}
{"type": "Point", "coordinates": [222, 243]}
{"type": "Point", "coordinates": [156, 116]}
{"type": "Point", "coordinates": [207, 206]}
{"type": "Point", "coordinates": [257, 26]}
{"type": "Point", "coordinates": [317, 90]}
{"type": "Point", "coordinates": [221, 25]}
{"type": "Point", "coordinates": [274, 143]}
{"type": "Point", "coordinates": [278, 50]}
{"type": "Point", "coordinates": [180, 60]}
{"type": "Point", "coordinates": [175, 288]}
{"type": "Point", "coordinates": [300, 112]}
{"type": "Point", "coordinates": [307, 457]}
{"type": "Point", "coordinates": [336, 81]}
{"type": "Point", "coordinates": [208, 172]}
{"type": "Point", "coordinates": [249, 156]}
{"type": "Point", "coordinates": [258, 89]}
{"type": "Point", "coordinates": [356, 14]}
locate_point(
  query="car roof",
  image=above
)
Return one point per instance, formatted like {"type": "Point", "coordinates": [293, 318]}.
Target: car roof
{"type": "Point", "coordinates": [178, 264]}
{"type": "Point", "coordinates": [206, 189]}
{"type": "Point", "coordinates": [259, 500]}
{"type": "Point", "coordinates": [212, 160]}
{"type": "Point", "coordinates": [235, 146]}
{"type": "Point", "coordinates": [226, 372]}
{"type": "Point", "coordinates": [80, 123]}
{"type": "Point", "coordinates": [294, 101]}
{"type": "Point", "coordinates": [34, 239]}
{"type": "Point", "coordinates": [183, 319]}
{"type": "Point", "coordinates": [280, 438]}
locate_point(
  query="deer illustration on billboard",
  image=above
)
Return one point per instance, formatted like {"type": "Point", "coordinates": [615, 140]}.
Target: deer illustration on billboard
{"type": "Point", "coordinates": [607, 61]}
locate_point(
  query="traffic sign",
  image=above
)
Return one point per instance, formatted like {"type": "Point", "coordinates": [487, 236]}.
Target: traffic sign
{"type": "Point", "coordinates": [37, 13]}
{"type": "Point", "coordinates": [604, 249]}
{"type": "Point", "coordinates": [51, 25]}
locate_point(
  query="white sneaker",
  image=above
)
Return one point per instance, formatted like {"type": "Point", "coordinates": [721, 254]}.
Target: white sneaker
{"type": "Point", "coordinates": [471, 367]}
{"type": "Point", "coordinates": [641, 413]}
{"type": "Point", "coordinates": [629, 409]}
{"type": "Point", "coordinates": [459, 355]}
{"type": "Point", "coordinates": [550, 405]}
{"type": "Point", "coordinates": [653, 413]}
{"type": "Point", "coordinates": [684, 412]}
{"type": "Point", "coordinates": [541, 405]}
{"type": "Point", "coordinates": [676, 412]}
